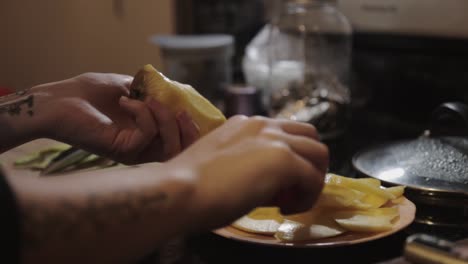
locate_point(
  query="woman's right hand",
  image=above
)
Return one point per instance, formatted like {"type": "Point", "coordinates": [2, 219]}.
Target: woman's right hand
{"type": "Point", "coordinates": [250, 162]}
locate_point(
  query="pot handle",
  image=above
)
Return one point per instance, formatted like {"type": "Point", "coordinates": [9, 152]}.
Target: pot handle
{"type": "Point", "coordinates": [450, 119]}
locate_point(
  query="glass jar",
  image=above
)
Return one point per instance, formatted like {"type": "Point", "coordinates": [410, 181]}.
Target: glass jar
{"type": "Point", "coordinates": [305, 64]}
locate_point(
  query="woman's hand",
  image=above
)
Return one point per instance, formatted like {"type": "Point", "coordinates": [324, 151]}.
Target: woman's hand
{"type": "Point", "coordinates": [247, 162]}
{"type": "Point", "coordinates": [250, 162]}
{"type": "Point", "coordinates": [93, 111]}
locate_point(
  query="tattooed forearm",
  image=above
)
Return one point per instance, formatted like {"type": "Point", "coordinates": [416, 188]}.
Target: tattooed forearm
{"type": "Point", "coordinates": [14, 104]}
{"type": "Point", "coordinates": [16, 107]}
{"type": "Point", "coordinates": [68, 220]}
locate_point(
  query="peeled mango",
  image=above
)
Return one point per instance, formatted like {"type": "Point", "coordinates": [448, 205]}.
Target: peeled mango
{"type": "Point", "coordinates": [177, 97]}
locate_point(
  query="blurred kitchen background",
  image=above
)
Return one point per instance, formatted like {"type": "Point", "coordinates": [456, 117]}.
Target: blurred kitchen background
{"type": "Point", "coordinates": [408, 56]}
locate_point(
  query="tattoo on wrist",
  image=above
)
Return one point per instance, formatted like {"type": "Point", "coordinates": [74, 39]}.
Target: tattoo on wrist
{"type": "Point", "coordinates": [68, 220]}
{"type": "Point", "coordinates": [13, 104]}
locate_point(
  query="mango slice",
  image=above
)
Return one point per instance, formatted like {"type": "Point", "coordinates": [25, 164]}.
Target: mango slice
{"type": "Point", "coordinates": [308, 226]}
{"type": "Point", "coordinates": [397, 191]}
{"type": "Point", "coordinates": [374, 201]}
{"type": "Point", "coordinates": [370, 181]}
{"type": "Point", "coordinates": [177, 97]}
{"type": "Point", "coordinates": [334, 196]}
{"type": "Point", "coordinates": [376, 220]}
{"type": "Point", "coordinates": [361, 186]}
{"type": "Point", "coordinates": [262, 220]}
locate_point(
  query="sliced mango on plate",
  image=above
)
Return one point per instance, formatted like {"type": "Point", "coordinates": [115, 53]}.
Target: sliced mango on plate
{"type": "Point", "coordinates": [397, 191]}
{"type": "Point", "coordinates": [262, 220]}
{"type": "Point", "coordinates": [340, 197]}
{"type": "Point", "coordinates": [374, 220]}
{"type": "Point", "coordinates": [345, 205]}
{"type": "Point", "coordinates": [308, 226]}
{"type": "Point", "coordinates": [371, 181]}
{"type": "Point", "coordinates": [358, 185]}
{"type": "Point", "coordinates": [374, 201]}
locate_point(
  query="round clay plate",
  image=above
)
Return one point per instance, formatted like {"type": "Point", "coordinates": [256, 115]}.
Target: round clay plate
{"type": "Point", "coordinates": [407, 213]}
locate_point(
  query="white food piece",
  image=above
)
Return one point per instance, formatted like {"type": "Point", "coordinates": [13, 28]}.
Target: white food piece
{"type": "Point", "coordinates": [257, 226]}
{"type": "Point", "coordinates": [367, 223]}
{"type": "Point", "coordinates": [292, 231]}
{"type": "Point", "coordinates": [309, 226]}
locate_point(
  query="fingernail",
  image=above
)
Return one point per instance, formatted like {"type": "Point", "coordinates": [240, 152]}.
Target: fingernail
{"type": "Point", "coordinates": [124, 98]}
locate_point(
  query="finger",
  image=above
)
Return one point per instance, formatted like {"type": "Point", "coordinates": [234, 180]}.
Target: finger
{"type": "Point", "coordinates": [237, 119]}
{"type": "Point", "coordinates": [290, 127]}
{"type": "Point", "coordinates": [304, 191]}
{"type": "Point", "coordinates": [126, 80]}
{"type": "Point", "coordinates": [168, 128]}
{"type": "Point", "coordinates": [298, 128]}
{"type": "Point", "coordinates": [122, 81]}
{"type": "Point", "coordinates": [310, 149]}
{"type": "Point", "coordinates": [189, 131]}
{"type": "Point", "coordinates": [146, 127]}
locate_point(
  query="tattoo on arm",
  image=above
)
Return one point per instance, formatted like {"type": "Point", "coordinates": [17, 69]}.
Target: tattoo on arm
{"type": "Point", "coordinates": [67, 220]}
{"type": "Point", "coordinates": [13, 104]}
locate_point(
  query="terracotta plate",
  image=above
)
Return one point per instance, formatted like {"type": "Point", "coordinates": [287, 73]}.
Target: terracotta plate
{"type": "Point", "coordinates": [407, 214]}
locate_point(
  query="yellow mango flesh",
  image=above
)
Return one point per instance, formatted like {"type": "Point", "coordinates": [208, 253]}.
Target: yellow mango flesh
{"type": "Point", "coordinates": [371, 181]}
{"type": "Point", "coordinates": [176, 97]}
{"type": "Point", "coordinates": [374, 201]}
{"type": "Point", "coordinates": [334, 196]}
{"type": "Point", "coordinates": [397, 191]}
{"type": "Point", "coordinates": [361, 186]}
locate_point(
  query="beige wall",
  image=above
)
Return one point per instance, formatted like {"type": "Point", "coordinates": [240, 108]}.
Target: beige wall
{"type": "Point", "coordinates": [48, 40]}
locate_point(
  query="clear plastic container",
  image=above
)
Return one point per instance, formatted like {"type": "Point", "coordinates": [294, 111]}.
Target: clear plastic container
{"type": "Point", "coordinates": [203, 61]}
{"type": "Point", "coordinates": [302, 62]}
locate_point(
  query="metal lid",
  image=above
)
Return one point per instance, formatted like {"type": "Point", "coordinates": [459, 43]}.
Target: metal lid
{"type": "Point", "coordinates": [429, 163]}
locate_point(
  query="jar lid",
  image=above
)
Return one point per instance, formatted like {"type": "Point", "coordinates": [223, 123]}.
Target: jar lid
{"type": "Point", "coordinates": [242, 100]}
{"type": "Point", "coordinates": [195, 45]}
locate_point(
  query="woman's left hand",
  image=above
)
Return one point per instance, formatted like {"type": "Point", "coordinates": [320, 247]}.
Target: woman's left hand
{"type": "Point", "coordinates": [92, 111]}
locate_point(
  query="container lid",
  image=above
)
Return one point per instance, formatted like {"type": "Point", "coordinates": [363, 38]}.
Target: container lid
{"type": "Point", "coordinates": [242, 100]}
{"type": "Point", "coordinates": [201, 45]}
{"type": "Point", "coordinates": [433, 162]}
